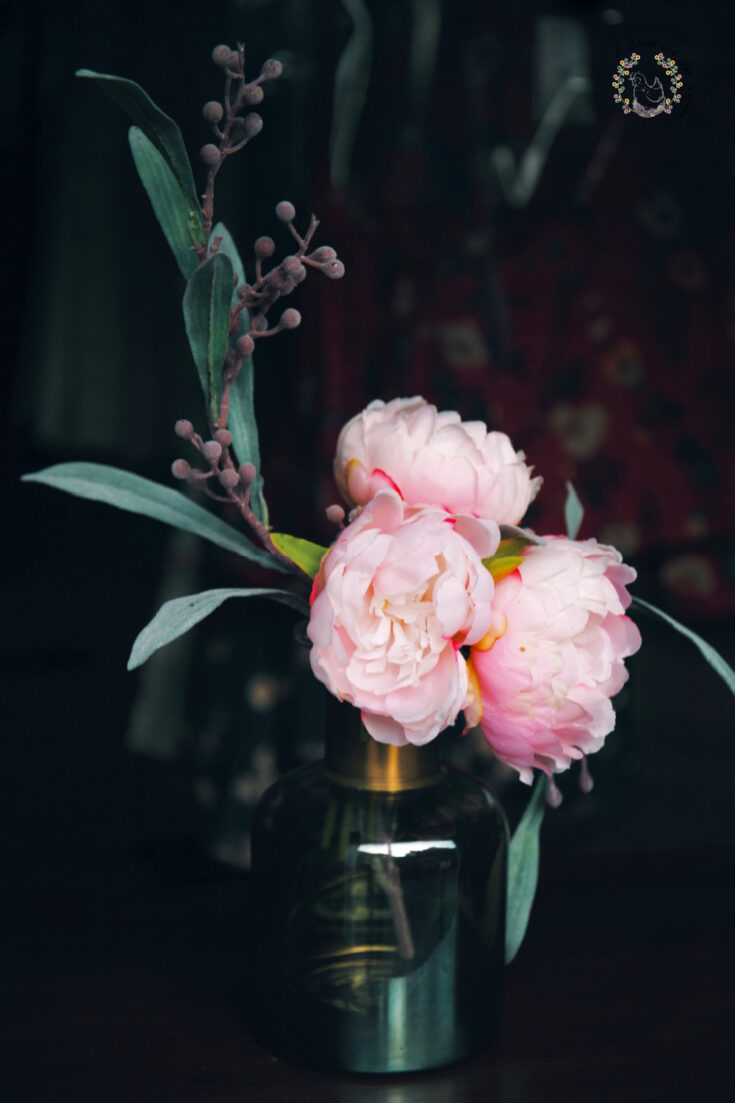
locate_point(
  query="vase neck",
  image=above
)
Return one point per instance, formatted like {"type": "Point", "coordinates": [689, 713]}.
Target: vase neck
{"type": "Point", "coordinates": [353, 758]}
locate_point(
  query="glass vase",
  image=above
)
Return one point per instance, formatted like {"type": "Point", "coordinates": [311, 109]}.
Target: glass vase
{"type": "Point", "coordinates": [380, 879]}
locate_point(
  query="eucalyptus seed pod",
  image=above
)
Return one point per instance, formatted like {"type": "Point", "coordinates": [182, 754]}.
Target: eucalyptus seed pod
{"type": "Point", "coordinates": [253, 94]}
{"type": "Point", "coordinates": [323, 254]}
{"type": "Point", "coordinates": [210, 154]}
{"type": "Point", "coordinates": [290, 318]}
{"type": "Point", "coordinates": [212, 450]}
{"type": "Point", "coordinates": [335, 269]}
{"type": "Point", "coordinates": [253, 124]}
{"type": "Point", "coordinates": [245, 345]}
{"type": "Point", "coordinates": [180, 469]}
{"type": "Point", "coordinates": [271, 69]}
{"type": "Point", "coordinates": [224, 57]}
{"type": "Point", "coordinates": [213, 112]}
{"type": "Point", "coordinates": [229, 478]}
{"type": "Point", "coordinates": [264, 247]}
{"type": "Point", "coordinates": [285, 211]}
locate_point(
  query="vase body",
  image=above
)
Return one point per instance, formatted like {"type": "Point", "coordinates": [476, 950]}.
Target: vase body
{"type": "Point", "coordinates": [380, 885]}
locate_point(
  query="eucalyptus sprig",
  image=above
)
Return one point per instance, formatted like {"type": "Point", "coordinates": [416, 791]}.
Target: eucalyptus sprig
{"type": "Point", "coordinates": [224, 313]}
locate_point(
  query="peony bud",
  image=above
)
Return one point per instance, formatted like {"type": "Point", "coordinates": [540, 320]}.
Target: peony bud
{"type": "Point", "coordinates": [253, 124]}
{"type": "Point", "coordinates": [212, 450]}
{"type": "Point", "coordinates": [223, 437]}
{"type": "Point", "coordinates": [248, 473]}
{"type": "Point", "coordinates": [212, 112]}
{"type": "Point", "coordinates": [180, 469]}
{"type": "Point", "coordinates": [245, 345]}
{"type": "Point", "coordinates": [335, 269]}
{"type": "Point", "coordinates": [271, 69]}
{"type": "Point", "coordinates": [285, 211]}
{"type": "Point", "coordinates": [183, 428]}
{"type": "Point", "coordinates": [264, 247]}
{"type": "Point", "coordinates": [210, 154]}
{"type": "Point", "coordinates": [229, 478]}
{"type": "Point", "coordinates": [290, 318]}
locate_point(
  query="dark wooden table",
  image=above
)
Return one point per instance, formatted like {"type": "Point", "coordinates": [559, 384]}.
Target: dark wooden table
{"type": "Point", "coordinates": [622, 992]}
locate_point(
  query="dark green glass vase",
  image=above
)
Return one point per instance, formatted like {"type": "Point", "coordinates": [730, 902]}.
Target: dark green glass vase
{"type": "Point", "coordinates": [380, 880]}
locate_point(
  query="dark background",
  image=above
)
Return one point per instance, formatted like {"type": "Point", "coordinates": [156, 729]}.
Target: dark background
{"type": "Point", "coordinates": [595, 324]}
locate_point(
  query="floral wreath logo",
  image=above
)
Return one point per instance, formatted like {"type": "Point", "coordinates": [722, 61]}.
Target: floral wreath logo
{"type": "Point", "coordinates": [647, 99]}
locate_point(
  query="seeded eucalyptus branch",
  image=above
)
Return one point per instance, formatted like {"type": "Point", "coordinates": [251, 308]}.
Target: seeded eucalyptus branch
{"type": "Point", "coordinates": [247, 309]}
{"type": "Point", "coordinates": [224, 315]}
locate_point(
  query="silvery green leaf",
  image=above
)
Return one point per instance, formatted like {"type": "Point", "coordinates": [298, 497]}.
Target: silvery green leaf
{"type": "Point", "coordinates": [523, 857]}
{"type": "Point", "coordinates": [131, 492]}
{"type": "Point", "coordinates": [179, 615]}
{"type": "Point", "coordinates": [207, 318]}
{"type": "Point", "coordinates": [241, 421]}
{"type": "Point", "coordinates": [159, 129]}
{"type": "Point", "coordinates": [351, 82]}
{"type": "Point", "coordinates": [573, 512]}
{"type": "Point", "coordinates": [167, 199]}
{"type": "Point", "coordinates": [715, 660]}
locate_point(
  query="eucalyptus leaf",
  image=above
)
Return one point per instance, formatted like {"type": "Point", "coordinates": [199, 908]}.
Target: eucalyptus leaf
{"type": "Point", "coordinates": [159, 129]}
{"type": "Point", "coordinates": [241, 421]}
{"type": "Point", "coordinates": [207, 318]}
{"type": "Point", "coordinates": [167, 199]}
{"type": "Point", "coordinates": [303, 553]}
{"type": "Point", "coordinates": [228, 247]}
{"type": "Point", "coordinates": [179, 615]}
{"type": "Point", "coordinates": [101, 483]}
{"type": "Point", "coordinates": [573, 512]}
{"type": "Point", "coordinates": [523, 856]}
{"type": "Point", "coordinates": [713, 657]}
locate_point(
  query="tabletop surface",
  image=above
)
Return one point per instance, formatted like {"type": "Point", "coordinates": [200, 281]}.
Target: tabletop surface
{"type": "Point", "coordinates": [622, 991]}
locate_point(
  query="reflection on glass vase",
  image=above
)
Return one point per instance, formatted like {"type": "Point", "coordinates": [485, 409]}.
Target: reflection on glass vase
{"type": "Point", "coordinates": [380, 877]}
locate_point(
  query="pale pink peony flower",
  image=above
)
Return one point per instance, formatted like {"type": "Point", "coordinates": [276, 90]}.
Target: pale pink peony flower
{"type": "Point", "coordinates": [396, 596]}
{"type": "Point", "coordinates": [544, 675]}
{"type": "Point", "coordinates": [433, 458]}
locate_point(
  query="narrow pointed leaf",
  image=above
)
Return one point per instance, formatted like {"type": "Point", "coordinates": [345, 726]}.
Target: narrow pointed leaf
{"type": "Point", "coordinates": [513, 532]}
{"type": "Point", "coordinates": [157, 127]}
{"type": "Point", "coordinates": [303, 553]}
{"type": "Point", "coordinates": [179, 615]}
{"type": "Point", "coordinates": [573, 512]}
{"type": "Point", "coordinates": [207, 318]}
{"type": "Point", "coordinates": [167, 199]}
{"type": "Point", "coordinates": [241, 421]}
{"type": "Point", "coordinates": [131, 492]}
{"type": "Point", "coordinates": [507, 557]}
{"type": "Point", "coordinates": [713, 657]}
{"type": "Point", "coordinates": [523, 857]}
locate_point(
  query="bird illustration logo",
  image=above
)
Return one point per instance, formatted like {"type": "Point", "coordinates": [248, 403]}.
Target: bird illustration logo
{"type": "Point", "coordinates": [634, 92]}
